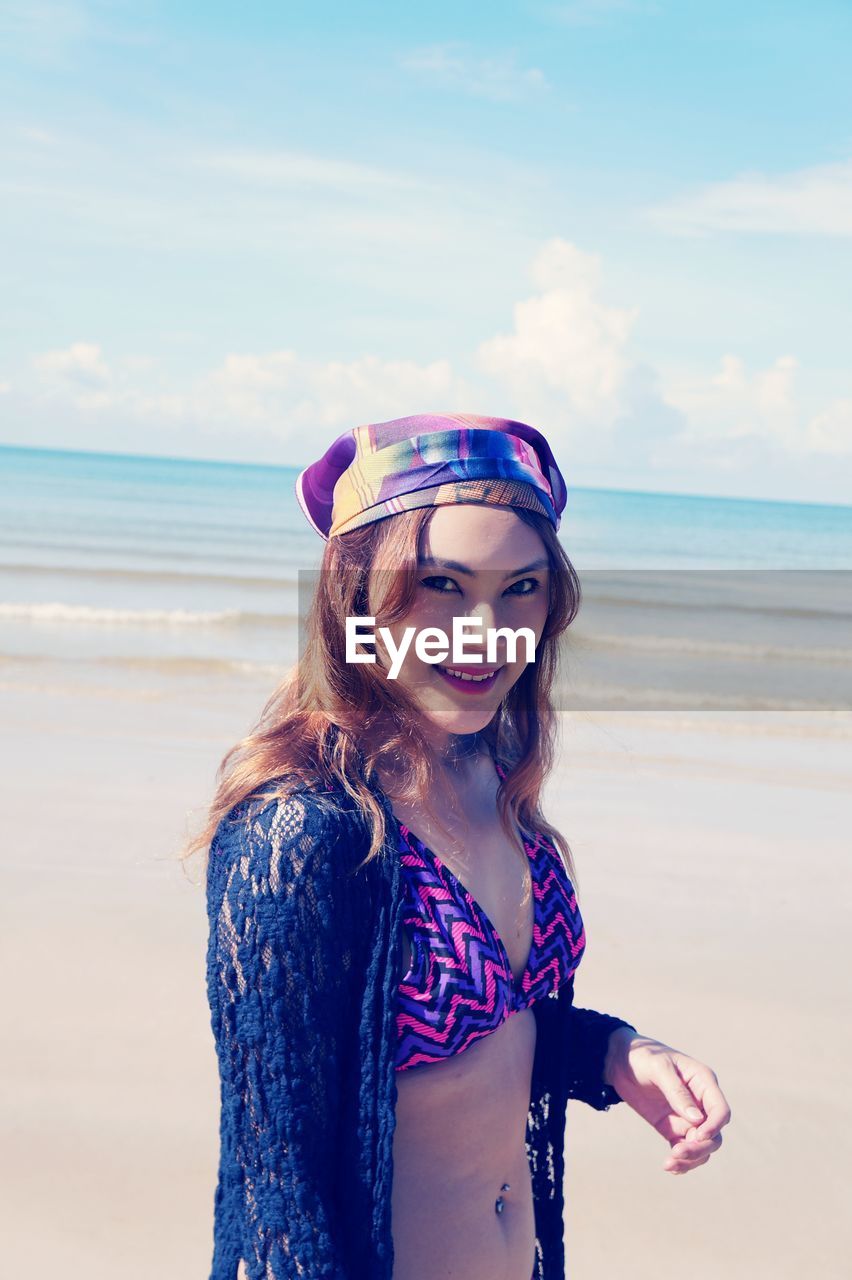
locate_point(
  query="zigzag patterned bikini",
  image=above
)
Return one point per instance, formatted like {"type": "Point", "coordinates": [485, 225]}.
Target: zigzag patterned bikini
{"type": "Point", "coordinates": [460, 986]}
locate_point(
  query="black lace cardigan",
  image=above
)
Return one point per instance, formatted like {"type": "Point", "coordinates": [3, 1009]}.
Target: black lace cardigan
{"type": "Point", "coordinates": [303, 962]}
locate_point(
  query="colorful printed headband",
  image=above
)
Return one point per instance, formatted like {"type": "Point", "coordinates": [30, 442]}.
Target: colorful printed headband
{"type": "Point", "coordinates": [427, 460]}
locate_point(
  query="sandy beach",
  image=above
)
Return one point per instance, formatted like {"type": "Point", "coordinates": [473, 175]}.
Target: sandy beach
{"type": "Point", "coordinates": [714, 877]}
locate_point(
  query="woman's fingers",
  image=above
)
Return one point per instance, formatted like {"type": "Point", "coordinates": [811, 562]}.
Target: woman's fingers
{"type": "Point", "coordinates": [705, 1085]}
{"type": "Point", "coordinates": [718, 1113]}
{"type": "Point", "coordinates": [688, 1154]}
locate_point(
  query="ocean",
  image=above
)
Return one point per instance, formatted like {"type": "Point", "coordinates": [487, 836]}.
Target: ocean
{"type": "Point", "coordinates": [127, 568]}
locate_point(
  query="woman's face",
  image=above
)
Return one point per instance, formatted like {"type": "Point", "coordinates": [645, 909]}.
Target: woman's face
{"type": "Point", "coordinates": [475, 561]}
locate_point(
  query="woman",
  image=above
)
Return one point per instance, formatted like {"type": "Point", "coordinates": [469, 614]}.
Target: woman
{"type": "Point", "coordinates": [394, 927]}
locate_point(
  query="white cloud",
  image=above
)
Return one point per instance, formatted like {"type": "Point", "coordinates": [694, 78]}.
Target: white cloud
{"type": "Point", "coordinates": [831, 431]}
{"type": "Point", "coordinates": [648, 427]}
{"type": "Point", "coordinates": [301, 169]}
{"type": "Point", "coordinates": [451, 66]}
{"type": "Point", "coordinates": [285, 392]}
{"type": "Point", "coordinates": [277, 394]}
{"type": "Point", "coordinates": [566, 365]}
{"type": "Point", "coordinates": [733, 403]}
{"type": "Point", "coordinates": [33, 133]}
{"type": "Point", "coordinates": [248, 203]}
{"type": "Point", "coordinates": [815, 201]}
{"type": "Point", "coordinates": [736, 406]}
{"type": "Point", "coordinates": [567, 352]}
{"type": "Point", "coordinates": [82, 364]}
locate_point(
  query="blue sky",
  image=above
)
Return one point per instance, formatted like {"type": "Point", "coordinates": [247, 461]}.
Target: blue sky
{"type": "Point", "coordinates": [232, 231]}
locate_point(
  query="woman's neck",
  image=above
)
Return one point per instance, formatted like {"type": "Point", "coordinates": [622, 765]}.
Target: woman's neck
{"type": "Point", "coordinates": [460, 759]}
{"type": "Point", "coordinates": [461, 747]}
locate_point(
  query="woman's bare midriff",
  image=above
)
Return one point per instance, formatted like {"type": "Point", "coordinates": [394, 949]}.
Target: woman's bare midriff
{"type": "Point", "coordinates": [460, 1133]}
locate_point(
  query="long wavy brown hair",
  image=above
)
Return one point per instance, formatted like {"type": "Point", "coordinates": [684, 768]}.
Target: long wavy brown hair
{"type": "Point", "coordinates": [332, 721]}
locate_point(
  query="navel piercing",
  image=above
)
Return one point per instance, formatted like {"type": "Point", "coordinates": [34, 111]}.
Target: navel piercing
{"type": "Point", "coordinates": [499, 1204]}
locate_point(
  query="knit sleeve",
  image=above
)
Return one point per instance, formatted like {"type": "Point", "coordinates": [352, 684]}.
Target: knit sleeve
{"type": "Point", "coordinates": [278, 973]}
{"type": "Point", "coordinates": [586, 1042]}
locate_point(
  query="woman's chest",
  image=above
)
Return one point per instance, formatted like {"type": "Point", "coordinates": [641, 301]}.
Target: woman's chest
{"type": "Point", "coordinates": [485, 875]}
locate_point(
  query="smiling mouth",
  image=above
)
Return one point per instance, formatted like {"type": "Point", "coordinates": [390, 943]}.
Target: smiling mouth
{"type": "Point", "coordinates": [467, 681]}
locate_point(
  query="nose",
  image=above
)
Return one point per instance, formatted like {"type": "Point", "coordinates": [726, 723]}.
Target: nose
{"type": "Point", "coordinates": [476, 640]}
{"type": "Point", "coordinates": [486, 612]}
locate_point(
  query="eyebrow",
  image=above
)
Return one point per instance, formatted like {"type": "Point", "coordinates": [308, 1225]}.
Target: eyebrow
{"type": "Point", "coordinates": [542, 563]}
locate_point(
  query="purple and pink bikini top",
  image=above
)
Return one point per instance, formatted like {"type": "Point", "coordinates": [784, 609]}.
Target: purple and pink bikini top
{"type": "Point", "coordinates": [460, 984]}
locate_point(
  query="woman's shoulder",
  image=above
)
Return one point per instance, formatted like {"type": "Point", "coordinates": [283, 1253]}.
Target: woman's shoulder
{"type": "Point", "coordinates": [277, 883]}
{"type": "Point", "coordinates": [285, 820]}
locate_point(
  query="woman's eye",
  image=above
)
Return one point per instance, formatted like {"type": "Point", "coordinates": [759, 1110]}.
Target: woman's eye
{"type": "Point", "coordinates": [427, 582]}
{"type": "Point", "coordinates": [535, 584]}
